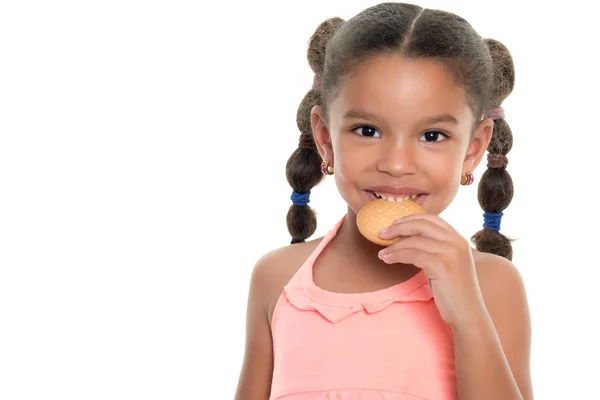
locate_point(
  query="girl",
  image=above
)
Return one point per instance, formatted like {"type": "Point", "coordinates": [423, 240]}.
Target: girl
{"type": "Point", "coordinates": [405, 102]}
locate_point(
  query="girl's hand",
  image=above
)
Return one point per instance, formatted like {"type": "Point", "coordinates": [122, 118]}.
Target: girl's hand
{"type": "Point", "coordinates": [445, 256]}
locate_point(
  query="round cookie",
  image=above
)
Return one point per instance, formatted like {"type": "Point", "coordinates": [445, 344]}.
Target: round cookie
{"type": "Point", "coordinates": [381, 213]}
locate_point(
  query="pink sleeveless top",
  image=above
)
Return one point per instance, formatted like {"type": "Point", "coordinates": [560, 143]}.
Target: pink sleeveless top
{"type": "Point", "coordinates": [391, 344]}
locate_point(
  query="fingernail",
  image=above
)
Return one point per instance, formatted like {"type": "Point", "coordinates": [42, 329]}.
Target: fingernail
{"type": "Point", "coordinates": [384, 231]}
{"type": "Point", "coordinates": [381, 254]}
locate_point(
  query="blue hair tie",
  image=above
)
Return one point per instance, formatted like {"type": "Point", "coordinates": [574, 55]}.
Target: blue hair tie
{"type": "Point", "coordinates": [300, 199]}
{"type": "Point", "coordinates": [491, 221]}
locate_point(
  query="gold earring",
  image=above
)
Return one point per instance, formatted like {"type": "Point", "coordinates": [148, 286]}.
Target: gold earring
{"type": "Point", "coordinates": [326, 168]}
{"type": "Point", "coordinates": [467, 179]}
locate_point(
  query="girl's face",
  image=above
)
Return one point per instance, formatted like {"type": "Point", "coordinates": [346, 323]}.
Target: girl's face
{"type": "Point", "coordinates": [404, 125]}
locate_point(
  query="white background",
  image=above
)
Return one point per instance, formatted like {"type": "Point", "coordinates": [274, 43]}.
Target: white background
{"type": "Point", "coordinates": [133, 204]}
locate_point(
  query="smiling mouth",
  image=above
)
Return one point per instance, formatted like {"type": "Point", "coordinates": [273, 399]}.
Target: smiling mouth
{"type": "Point", "coordinates": [398, 199]}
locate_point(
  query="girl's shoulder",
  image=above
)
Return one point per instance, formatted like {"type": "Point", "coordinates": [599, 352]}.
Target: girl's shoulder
{"type": "Point", "coordinates": [275, 269]}
{"type": "Point", "coordinates": [503, 291]}
{"type": "Point", "coordinates": [493, 269]}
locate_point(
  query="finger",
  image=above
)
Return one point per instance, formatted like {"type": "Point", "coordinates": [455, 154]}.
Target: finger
{"type": "Point", "coordinates": [436, 219]}
{"type": "Point", "coordinates": [422, 227]}
{"type": "Point", "coordinates": [416, 243]}
{"type": "Point", "coordinates": [426, 261]}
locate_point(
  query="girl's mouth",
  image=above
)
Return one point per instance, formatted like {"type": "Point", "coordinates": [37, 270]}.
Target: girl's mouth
{"type": "Point", "coordinates": [418, 198]}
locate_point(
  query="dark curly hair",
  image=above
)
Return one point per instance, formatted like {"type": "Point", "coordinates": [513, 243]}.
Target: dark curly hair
{"type": "Point", "coordinates": [484, 67]}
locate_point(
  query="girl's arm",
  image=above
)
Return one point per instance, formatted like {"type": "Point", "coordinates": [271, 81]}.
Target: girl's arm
{"type": "Point", "coordinates": [493, 356]}
{"type": "Point", "coordinates": [257, 367]}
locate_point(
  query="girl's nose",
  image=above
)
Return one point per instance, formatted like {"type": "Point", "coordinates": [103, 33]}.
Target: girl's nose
{"type": "Point", "coordinates": [397, 159]}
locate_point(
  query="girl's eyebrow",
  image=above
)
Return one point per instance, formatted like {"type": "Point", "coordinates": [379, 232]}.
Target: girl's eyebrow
{"type": "Point", "coordinates": [354, 113]}
{"type": "Point", "coordinates": [441, 118]}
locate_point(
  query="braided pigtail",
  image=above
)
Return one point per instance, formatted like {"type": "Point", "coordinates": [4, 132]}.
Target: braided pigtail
{"type": "Point", "coordinates": [495, 190]}
{"type": "Point", "coordinates": [303, 169]}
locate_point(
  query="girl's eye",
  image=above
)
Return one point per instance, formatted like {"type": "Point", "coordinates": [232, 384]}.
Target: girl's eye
{"type": "Point", "coordinates": [367, 131]}
{"type": "Point", "coordinates": [434, 136]}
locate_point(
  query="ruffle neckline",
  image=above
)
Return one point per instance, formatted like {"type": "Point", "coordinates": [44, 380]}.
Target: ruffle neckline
{"type": "Point", "coordinates": [304, 294]}
{"type": "Point", "coordinates": [350, 394]}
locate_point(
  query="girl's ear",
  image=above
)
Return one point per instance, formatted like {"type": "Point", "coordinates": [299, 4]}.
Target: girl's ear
{"type": "Point", "coordinates": [321, 133]}
{"type": "Point", "coordinates": [478, 146]}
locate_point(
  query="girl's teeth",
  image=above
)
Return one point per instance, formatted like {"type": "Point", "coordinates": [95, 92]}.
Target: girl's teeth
{"type": "Point", "coordinates": [397, 199]}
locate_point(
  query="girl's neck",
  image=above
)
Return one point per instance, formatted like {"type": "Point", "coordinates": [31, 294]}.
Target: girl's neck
{"type": "Point", "coordinates": [355, 246]}
{"type": "Point", "coordinates": [353, 240]}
